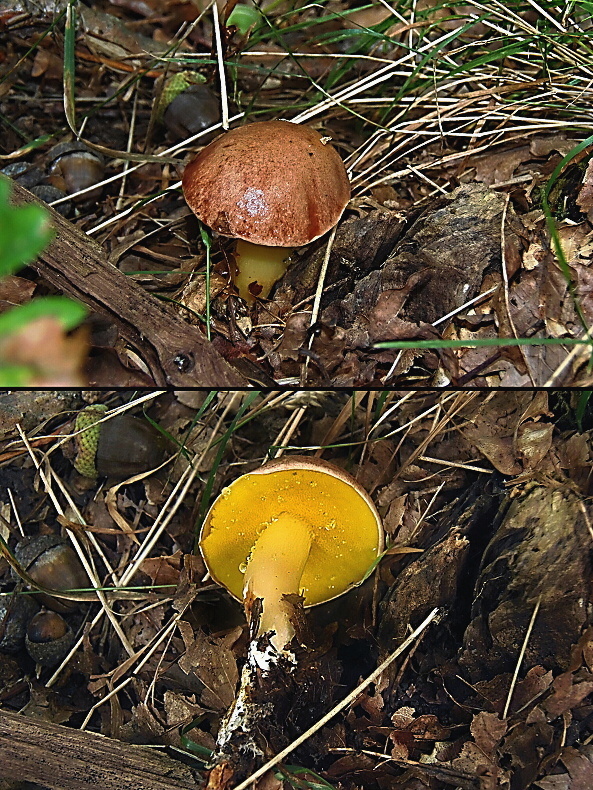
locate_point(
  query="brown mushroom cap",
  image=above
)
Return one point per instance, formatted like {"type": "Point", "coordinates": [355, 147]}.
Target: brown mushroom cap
{"type": "Point", "coordinates": [273, 183]}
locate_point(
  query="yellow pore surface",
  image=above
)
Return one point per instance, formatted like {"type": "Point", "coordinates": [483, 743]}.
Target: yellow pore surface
{"type": "Point", "coordinates": [345, 533]}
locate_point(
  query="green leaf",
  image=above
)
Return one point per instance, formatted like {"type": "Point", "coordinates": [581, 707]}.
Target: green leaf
{"type": "Point", "coordinates": [68, 313]}
{"type": "Point", "coordinates": [243, 17]}
{"type": "Point", "coordinates": [24, 232]}
{"type": "Point", "coordinates": [15, 375]}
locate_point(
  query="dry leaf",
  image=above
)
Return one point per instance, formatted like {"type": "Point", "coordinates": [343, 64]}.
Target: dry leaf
{"type": "Point", "coordinates": [214, 664]}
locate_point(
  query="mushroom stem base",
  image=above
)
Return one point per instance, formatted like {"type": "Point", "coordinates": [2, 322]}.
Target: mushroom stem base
{"type": "Point", "coordinates": [262, 671]}
{"type": "Point", "coordinates": [259, 266]}
{"type": "Point", "coordinates": [275, 690]}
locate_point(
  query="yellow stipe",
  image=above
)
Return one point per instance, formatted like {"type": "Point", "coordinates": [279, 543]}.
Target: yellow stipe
{"type": "Point", "coordinates": [274, 569]}
{"type": "Point", "coordinates": [255, 263]}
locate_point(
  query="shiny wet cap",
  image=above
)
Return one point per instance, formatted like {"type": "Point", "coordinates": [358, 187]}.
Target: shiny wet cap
{"type": "Point", "coordinates": [347, 534]}
{"type": "Point", "coordinates": [273, 183]}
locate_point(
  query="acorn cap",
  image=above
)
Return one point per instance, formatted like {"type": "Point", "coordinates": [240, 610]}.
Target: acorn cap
{"type": "Point", "coordinates": [31, 548]}
{"type": "Point", "coordinates": [347, 535]}
{"type": "Point", "coordinates": [273, 183]}
{"type": "Point", "coordinates": [71, 147]}
{"type": "Point", "coordinates": [87, 442]}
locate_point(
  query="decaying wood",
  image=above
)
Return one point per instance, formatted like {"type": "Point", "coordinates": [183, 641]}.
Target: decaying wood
{"type": "Point", "coordinates": [540, 551]}
{"type": "Point", "coordinates": [68, 759]}
{"type": "Point", "coordinates": [361, 245]}
{"type": "Point", "coordinates": [536, 543]}
{"type": "Point", "coordinates": [433, 578]}
{"type": "Point", "coordinates": [440, 262]}
{"type": "Point", "coordinates": [175, 352]}
{"type": "Point", "coordinates": [389, 281]}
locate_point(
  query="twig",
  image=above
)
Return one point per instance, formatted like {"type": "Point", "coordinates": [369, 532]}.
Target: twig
{"type": "Point", "coordinates": [318, 295]}
{"type": "Point", "coordinates": [175, 352]}
{"type": "Point", "coordinates": [126, 167]}
{"type": "Point", "coordinates": [578, 350]}
{"type": "Point", "coordinates": [82, 556]}
{"type": "Point", "coordinates": [520, 658]}
{"type": "Point", "coordinates": [224, 102]}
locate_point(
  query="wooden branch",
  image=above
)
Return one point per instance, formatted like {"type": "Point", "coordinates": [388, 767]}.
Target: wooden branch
{"type": "Point", "coordinates": [175, 352]}
{"type": "Point", "coordinates": [59, 757]}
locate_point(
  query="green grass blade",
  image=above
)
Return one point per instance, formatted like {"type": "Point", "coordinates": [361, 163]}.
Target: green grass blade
{"type": "Point", "coordinates": [489, 341]}
{"type": "Point", "coordinates": [69, 76]}
{"type": "Point", "coordinates": [207, 241]}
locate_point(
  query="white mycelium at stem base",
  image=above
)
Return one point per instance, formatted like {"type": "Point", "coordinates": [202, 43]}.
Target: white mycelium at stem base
{"type": "Point", "coordinates": [274, 569]}
{"type": "Point", "coordinates": [256, 263]}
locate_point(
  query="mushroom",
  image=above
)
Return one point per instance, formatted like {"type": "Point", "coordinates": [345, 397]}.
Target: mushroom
{"type": "Point", "coordinates": [273, 185]}
{"type": "Point", "coordinates": [297, 529]}
{"type": "Point", "coordinates": [296, 525]}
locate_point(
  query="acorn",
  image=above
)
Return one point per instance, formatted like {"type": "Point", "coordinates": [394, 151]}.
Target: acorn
{"type": "Point", "coordinates": [192, 111]}
{"type": "Point", "coordinates": [187, 106]}
{"type": "Point", "coordinates": [48, 638]}
{"type": "Point", "coordinates": [73, 166]}
{"type": "Point", "coordinates": [53, 563]}
{"type": "Point", "coordinates": [49, 193]}
{"type": "Point", "coordinates": [15, 612]}
{"type": "Point", "coordinates": [118, 448]}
